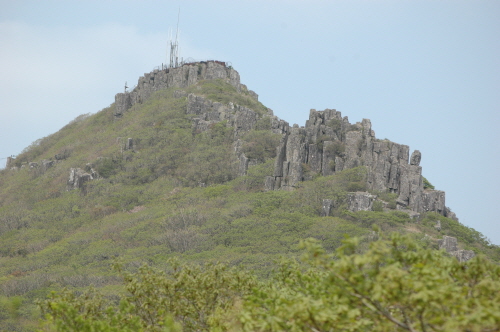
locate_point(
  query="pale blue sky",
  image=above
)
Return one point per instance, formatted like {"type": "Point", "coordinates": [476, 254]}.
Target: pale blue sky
{"type": "Point", "coordinates": [427, 73]}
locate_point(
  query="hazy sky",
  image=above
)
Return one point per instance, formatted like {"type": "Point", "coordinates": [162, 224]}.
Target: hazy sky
{"type": "Point", "coordinates": [427, 73]}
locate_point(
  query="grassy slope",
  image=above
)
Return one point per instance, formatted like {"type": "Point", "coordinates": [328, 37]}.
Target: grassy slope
{"type": "Point", "coordinates": [150, 208]}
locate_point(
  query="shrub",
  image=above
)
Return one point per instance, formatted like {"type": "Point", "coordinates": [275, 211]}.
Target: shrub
{"type": "Point", "coordinates": [427, 184]}
{"type": "Point", "coordinates": [378, 206]}
{"type": "Point", "coordinates": [260, 144]}
{"type": "Point", "coordinates": [336, 148]}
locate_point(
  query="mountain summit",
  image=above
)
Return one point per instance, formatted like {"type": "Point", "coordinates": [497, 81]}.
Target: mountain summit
{"type": "Point", "coordinates": [189, 164]}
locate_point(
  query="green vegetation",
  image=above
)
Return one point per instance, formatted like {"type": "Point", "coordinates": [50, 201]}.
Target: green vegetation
{"type": "Point", "coordinates": [395, 285]}
{"type": "Point", "coordinates": [176, 194]}
{"type": "Point", "coordinates": [427, 184]}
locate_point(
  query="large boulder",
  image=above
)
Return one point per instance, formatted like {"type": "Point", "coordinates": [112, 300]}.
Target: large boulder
{"type": "Point", "coordinates": [78, 178]}
{"type": "Point", "coordinates": [327, 207]}
{"type": "Point", "coordinates": [449, 244]}
{"type": "Point", "coordinates": [360, 201]}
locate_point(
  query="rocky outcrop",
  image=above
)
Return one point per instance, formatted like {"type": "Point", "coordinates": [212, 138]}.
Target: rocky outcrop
{"type": "Point", "coordinates": [329, 143]}
{"type": "Point", "coordinates": [360, 201]}
{"type": "Point", "coordinates": [9, 163]}
{"type": "Point", "coordinates": [78, 178]}
{"type": "Point", "coordinates": [327, 207]}
{"type": "Point", "coordinates": [208, 113]}
{"type": "Point", "coordinates": [449, 244]}
{"type": "Point", "coordinates": [46, 164]}
{"type": "Point", "coordinates": [464, 255]}
{"type": "Point", "coordinates": [129, 145]}
{"type": "Point", "coordinates": [180, 77]}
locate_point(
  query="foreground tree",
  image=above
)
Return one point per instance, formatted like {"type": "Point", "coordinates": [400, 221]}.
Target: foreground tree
{"type": "Point", "coordinates": [395, 285]}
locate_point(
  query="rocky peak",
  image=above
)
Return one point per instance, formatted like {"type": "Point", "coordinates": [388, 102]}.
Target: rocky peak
{"type": "Point", "coordinates": [180, 77]}
{"type": "Point", "coordinates": [329, 143]}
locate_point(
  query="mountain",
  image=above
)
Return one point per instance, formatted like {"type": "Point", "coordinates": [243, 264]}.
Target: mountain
{"type": "Point", "coordinates": [189, 164]}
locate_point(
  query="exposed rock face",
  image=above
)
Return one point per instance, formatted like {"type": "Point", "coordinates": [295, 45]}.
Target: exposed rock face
{"type": "Point", "coordinates": [46, 164]}
{"type": "Point", "coordinates": [449, 244]}
{"type": "Point", "coordinates": [240, 118]}
{"type": "Point", "coordinates": [77, 178]}
{"type": "Point", "coordinates": [130, 144]}
{"type": "Point", "coordinates": [208, 113]}
{"type": "Point", "coordinates": [9, 163]}
{"type": "Point", "coordinates": [360, 201]}
{"type": "Point", "coordinates": [327, 207]}
{"type": "Point", "coordinates": [415, 158]}
{"type": "Point", "coordinates": [464, 255]}
{"type": "Point", "coordinates": [329, 144]}
{"type": "Point", "coordinates": [123, 101]}
{"type": "Point", "coordinates": [180, 77]}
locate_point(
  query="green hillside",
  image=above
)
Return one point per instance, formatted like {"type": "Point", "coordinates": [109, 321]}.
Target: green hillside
{"type": "Point", "coordinates": [175, 194]}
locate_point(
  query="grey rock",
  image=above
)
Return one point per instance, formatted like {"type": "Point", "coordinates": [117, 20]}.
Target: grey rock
{"type": "Point", "coordinates": [450, 214]}
{"type": "Point", "coordinates": [130, 144]}
{"type": "Point", "coordinates": [389, 166]}
{"type": "Point", "coordinates": [433, 200]}
{"type": "Point", "coordinates": [438, 225]}
{"type": "Point", "coordinates": [464, 255]}
{"type": "Point", "coordinates": [314, 158]}
{"type": "Point", "coordinates": [33, 165]}
{"type": "Point", "coordinates": [180, 77]}
{"type": "Point", "coordinates": [180, 94]}
{"type": "Point", "coordinates": [244, 120]}
{"type": "Point", "coordinates": [280, 156]}
{"type": "Point", "coordinates": [123, 101]}
{"type": "Point", "coordinates": [77, 178]}
{"type": "Point", "coordinates": [295, 156]}
{"type": "Point", "coordinates": [46, 164]}
{"type": "Point", "coordinates": [360, 201]}
{"type": "Point", "coordinates": [448, 243]}
{"type": "Point", "coordinates": [415, 158]}
{"type": "Point", "coordinates": [269, 183]}
{"type": "Point", "coordinates": [243, 165]}
{"type": "Point", "coordinates": [327, 159]}
{"type": "Point", "coordinates": [253, 95]}
{"type": "Point", "coordinates": [327, 207]}
{"type": "Point", "coordinates": [9, 163]}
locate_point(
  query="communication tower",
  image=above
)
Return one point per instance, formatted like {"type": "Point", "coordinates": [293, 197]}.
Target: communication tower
{"type": "Point", "coordinates": [174, 46]}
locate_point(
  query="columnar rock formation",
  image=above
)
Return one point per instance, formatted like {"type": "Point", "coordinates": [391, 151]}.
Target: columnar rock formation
{"type": "Point", "coordinates": [179, 77]}
{"type": "Point", "coordinates": [329, 144]}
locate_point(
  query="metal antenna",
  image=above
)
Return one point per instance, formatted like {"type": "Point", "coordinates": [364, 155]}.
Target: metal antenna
{"type": "Point", "coordinates": [174, 56]}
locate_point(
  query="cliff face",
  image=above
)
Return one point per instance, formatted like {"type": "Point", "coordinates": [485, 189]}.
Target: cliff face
{"type": "Point", "coordinates": [179, 77]}
{"type": "Point", "coordinates": [327, 144]}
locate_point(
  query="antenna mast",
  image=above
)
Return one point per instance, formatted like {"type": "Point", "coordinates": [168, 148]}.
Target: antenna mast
{"type": "Point", "coordinates": [174, 56]}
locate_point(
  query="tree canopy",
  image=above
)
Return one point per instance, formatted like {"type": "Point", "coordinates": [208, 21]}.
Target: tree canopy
{"type": "Point", "coordinates": [394, 285]}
